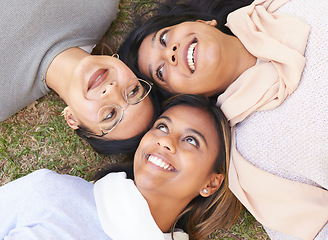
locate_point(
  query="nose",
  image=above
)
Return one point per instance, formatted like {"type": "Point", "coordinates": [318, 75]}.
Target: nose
{"type": "Point", "coordinates": [171, 54]}
{"type": "Point", "coordinates": [111, 93]}
{"type": "Point", "coordinates": [167, 144]}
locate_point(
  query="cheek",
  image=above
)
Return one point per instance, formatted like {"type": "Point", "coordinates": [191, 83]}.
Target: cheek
{"type": "Point", "coordinates": [197, 165]}
{"type": "Point", "coordinates": [145, 144]}
{"type": "Point", "coordinates": [88, 113]}
{"type": "Point", "coordinates": [124, 74]}
{"type": "Point", "coordinates": [178, 83]}
{"type": "Point", "coordinates": [193, 85]}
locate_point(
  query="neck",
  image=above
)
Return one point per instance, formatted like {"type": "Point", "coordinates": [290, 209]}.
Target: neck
{"type": "Point", "coordinates": [60, 71]}
{"type": "Point", "coordinates": [243, 59]}
{"type": "Point", "coordinates": [239, 61]}
{"type": "Point", "coordinates": [165, 211]}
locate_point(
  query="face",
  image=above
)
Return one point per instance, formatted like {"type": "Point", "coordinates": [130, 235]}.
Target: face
{"type": "Point", "coordinates": [175, 158]}
{"type": "Point", "coordinates": [97, 82]}
{"type": "Point", "coordinates": [190, 57]}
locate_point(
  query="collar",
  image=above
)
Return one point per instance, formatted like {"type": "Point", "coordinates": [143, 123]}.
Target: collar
{"type": "Point", "coordinates": [124, 212]}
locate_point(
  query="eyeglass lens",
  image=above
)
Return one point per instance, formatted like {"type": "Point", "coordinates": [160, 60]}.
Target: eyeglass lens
{"type": "Point", "coordinates": [109, 116]}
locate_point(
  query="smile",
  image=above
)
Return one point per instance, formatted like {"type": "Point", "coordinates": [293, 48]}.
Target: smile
{"type": "Point", "coordinates": [191, 56]}
{"type": "Point", "coordinates": [97, 78]}
{"type": "Point", "coordinates": [160, 163]}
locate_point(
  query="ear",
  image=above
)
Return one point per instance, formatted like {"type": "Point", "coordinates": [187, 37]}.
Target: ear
{"type": "Point", "coordinates": [70, 119]}
{"type": "Point", "coordinates": [212, 23]}
{"type": "Point", "coordinates": [213, 185]}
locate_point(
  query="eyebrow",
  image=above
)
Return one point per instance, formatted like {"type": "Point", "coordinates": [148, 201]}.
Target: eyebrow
{"type": "Point", "coordinates": [199, 134]}
{"type": "Point", "coordinates": [165, 117]}
{"type": "Point", "coordinates": [188, 129]}
{"type": "Point", "coordinates": [150, 71]}
{"type": "Point", "coordinates": [150, 68]}
{"type": "Point", "coordinates": [154, 37]}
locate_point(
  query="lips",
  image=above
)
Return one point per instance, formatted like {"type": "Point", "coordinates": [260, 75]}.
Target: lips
{"type": "Point", "coordinates": [97, 78]}
{"type": "Point", "coordinates": [159, 162]}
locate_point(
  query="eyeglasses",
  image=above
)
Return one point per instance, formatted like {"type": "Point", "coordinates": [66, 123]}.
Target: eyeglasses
{"type": "Point", "coordinates": [110, 116]}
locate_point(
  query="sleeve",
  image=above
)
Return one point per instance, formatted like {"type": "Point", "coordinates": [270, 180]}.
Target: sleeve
{"type": "Point", "coordinates": [15, 197]}
{"type": "Point", "coordinates": [33, 33]}
{"type": "Point", "coordinates": [47, 205]}
{"type": "Point", "coordinates": [274, 235]}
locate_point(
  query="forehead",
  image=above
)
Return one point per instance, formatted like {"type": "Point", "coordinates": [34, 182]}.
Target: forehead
{"type": "Point", "coordinates": [192, 117]}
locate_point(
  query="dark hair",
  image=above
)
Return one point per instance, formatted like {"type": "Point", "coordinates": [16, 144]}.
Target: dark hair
{"type": "Point", "coordinates": [126, 166]}
{"type": "Point", "coordinates": [169, 13]}
{"type": "Point", "coordinates": [203, 215]}
{"type": "Point", "coordinates": [129, 145]}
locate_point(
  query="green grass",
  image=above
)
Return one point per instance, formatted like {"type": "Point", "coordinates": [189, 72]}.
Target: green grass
{"type": "Point", "coordinates": [38, 137]}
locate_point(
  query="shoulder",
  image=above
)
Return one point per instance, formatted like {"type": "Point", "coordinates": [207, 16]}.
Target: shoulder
{"type": "Point", "coordinates": [95, 9]}
{"type": "Point", "coordinates": [45, 182]}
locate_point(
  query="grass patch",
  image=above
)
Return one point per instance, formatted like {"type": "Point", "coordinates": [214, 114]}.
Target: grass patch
{"type": "Point", "coordinates": [38, 137]}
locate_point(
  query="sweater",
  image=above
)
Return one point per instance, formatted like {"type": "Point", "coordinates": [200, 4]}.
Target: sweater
{"type": "Point", "coordinates": [275, 171]}
{"type": "Point", "coordinates": [33, 33]}
{"type": "Point", "coordinates": [47, 205]}
{"type": "Point", "coordinates": [291, 141]}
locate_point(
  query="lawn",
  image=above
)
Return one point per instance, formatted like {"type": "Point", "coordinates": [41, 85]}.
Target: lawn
{"type": "Point", "coordinates": [38, 137]}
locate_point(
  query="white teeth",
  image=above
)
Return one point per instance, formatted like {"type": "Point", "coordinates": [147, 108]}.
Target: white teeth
{"type": "Point", "coordinates": [99, 77]}
{"type": "Point", "coordinates": [190, 56]}
{"type": "Point", "coordinates": [160, 163]}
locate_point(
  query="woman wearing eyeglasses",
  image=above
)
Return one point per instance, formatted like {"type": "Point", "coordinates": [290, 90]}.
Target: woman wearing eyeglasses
{"type": "Point", "coordinates": [179, 173]}
{"type": "Point", "coordinates": [46, 46]}
{"type": "Point", "coordinates": [107, 105]}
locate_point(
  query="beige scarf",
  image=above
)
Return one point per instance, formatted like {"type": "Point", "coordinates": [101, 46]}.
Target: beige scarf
{"type": "Point", "coordinates": [279, 41]}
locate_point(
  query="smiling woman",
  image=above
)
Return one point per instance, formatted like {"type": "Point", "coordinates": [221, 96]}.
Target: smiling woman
{"type": "Point", "coordinates": [179, 173]}
{"type": "Point", "coordinates": [59, 59]}
{"type": "Point", "coordinates": [188, 53]}
{"type": "Point", "coordinates": [104, 99]}
{"type": "Point", "coordinates": [264, 61]}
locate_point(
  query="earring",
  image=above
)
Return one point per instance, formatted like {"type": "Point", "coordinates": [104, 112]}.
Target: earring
{"type": "Point", "coordinates": [115, 55]}
{"type": "Point", "coordinates": [63, 113]}
{"type": "Point", "coordinates": [205, 191]}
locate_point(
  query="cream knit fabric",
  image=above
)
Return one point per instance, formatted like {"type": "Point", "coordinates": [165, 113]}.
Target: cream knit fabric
{"type": "Point", "coordinates": [279, 40]}
{"type": "Point", "coordinates": [291, 141]}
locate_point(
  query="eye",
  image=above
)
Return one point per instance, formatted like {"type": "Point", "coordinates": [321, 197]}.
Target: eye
{"type": "Point", "coordinates": [162, 127]}
{"type": "Point", "coordinates": [192, 141]}
{"type": "Point", "coordinates": [162, 38]}
{"type": "Point", "coordinates": [159, 73]}
{"type": "Point", "coordinates": [133, 92]}
{"type": "Point", "coordinates": [109, 114]}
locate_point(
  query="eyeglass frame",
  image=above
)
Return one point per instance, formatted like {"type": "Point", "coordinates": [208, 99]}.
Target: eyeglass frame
{"type": "Point", "coordinates": [150, 84]}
